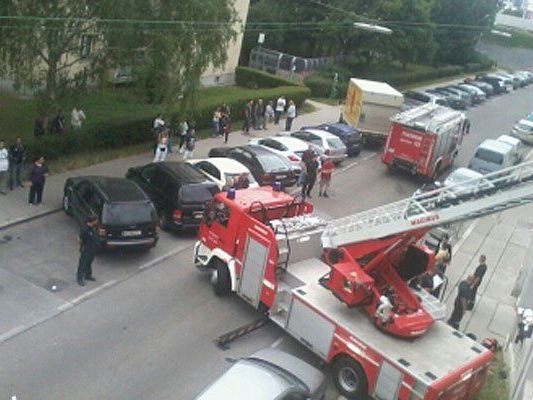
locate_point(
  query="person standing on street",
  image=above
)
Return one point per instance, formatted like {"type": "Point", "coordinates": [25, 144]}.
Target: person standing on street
{"type": "Point", "coordinates": [76, 118]}
{"type": "Point", "coordinates": [162, 147]}
{"type": "Point", "coordinates": [280, 108]}
{"type": "Point", "coordinates": [190, 143]}
{"type": "Point", "coordinates": [291, 114]}
{"type": "Point", "coordinates": [460, 305]}
{"type": "Point", "coordinates": [259, 115]}
{"type": "Point", "coordinates": [16, 158]}
{"type": "Point", "coordinates": [248, 113]}
{"type": "Point", "coordinates": [217, 116]}
{"type": "Point", "coordinates": [269, 113]}
{"type": "Point", "coordinates": [311, 168]}
{"type": "Point", "coordinates": [88, 244]}
{"type": "Point", "coordinates": [226, 126]}
{"type": "Point", "coordinates": [479, 273]}
{"type": "Point", "coordinates": [183, 128]}
{"type": "Point", "coordinates": [326, 171]}
{"type": "Point", "coordinates": [38, 174]}
{"type": "Point", "coordinates": [4, 167]}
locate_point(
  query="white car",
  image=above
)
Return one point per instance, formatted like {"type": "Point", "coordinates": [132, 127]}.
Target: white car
{"type": "Point", "coordinates": [516, 144]}
{"type": "Point", "coordinates": [330, 144]}
{"type": "Point", "coordinates": [289, 147]}
{"type": "Point", "coordinates": [459, 181]}
{"type": "Point", "coordinates": [523, 130]}
{"type": "Point", "coordinates": [222, 171]}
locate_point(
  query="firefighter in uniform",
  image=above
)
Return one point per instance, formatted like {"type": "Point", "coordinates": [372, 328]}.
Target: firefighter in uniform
{"type": "Point", "coordinates": [88, 244]}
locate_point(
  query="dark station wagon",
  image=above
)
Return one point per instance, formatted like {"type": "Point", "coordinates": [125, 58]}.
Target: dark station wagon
{"type": "Point", "coordinates": [179, 192]}
{"type": "Point", "coordinates": [126, 216]}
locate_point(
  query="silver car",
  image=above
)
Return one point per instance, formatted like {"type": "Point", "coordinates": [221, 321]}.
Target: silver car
{"type": "Point", "coordinates": [268, 374]}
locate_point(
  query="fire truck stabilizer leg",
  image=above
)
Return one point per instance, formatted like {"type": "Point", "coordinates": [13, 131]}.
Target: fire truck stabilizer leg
{"type": "Point", "coordinates": [350, 378]}
{"type": "Point", "coordinates": [221, 279]}
{"type": "Point", "coordinates": [224, 340]}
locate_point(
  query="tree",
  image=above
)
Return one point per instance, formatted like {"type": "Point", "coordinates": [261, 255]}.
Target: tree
{"type": "Point", "coordinates": [461, 24]}
{"type": "Point", "coordinates": [40, 43]}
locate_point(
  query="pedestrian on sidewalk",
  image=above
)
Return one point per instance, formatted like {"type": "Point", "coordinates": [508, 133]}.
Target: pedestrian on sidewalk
{"type": "Point", "coordinates": [269, 113]}
{"type": "Point", "coordinates": [280, 108]}
{"type": "Point", "coordinates": [326, 171]}
{"type": "Point", "coordinates": [311, 169]}
{"type": "Point", "coordinates": [190, 143]}
{"type": "Point", "coordinates": [88, 244]}
{"type": "Point", "coordinates": [479, 273]}
{"type": "Point", "coordinates": [17, 153]}
{"type": "Point", "coordinates": [38, 174]}
{"type": "Point", "coordinates": [77, 116]}
{"type": "Point", "coordinates": [183, 128]}
{"type": "Point", "coordinates": [226, 127]}
{"type": "Point", "coordinates": [162, 148]}
{"type": "Point", "coordinates": [445, 245]}
{"type": "Point", "coordinates": [291, 114]}
{"type": "Point", "coordinates": [247, 114]}
{"type": "Point", "coordinates": [215, 122]}
{"type": "Point", "coordinates": [460, 305]}
{"type": "Point", "coordinates": [259, 115]}
{"type": "Point", "coordinates": [4, 167]}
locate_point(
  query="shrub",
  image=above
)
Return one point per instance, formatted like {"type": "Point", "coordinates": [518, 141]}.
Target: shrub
{"type": "Point", "coordinates": [321, 86]}
{"type": "Point", "coordinates": [255, 78]}
{"type": "Point", "coordinates": [135, 128]}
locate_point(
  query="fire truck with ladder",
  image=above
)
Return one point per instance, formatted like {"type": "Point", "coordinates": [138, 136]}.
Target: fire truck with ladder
{"type": "Point", "coordinates": [425, 140]}
{"type": "Point", "coordinates": [325, 282]}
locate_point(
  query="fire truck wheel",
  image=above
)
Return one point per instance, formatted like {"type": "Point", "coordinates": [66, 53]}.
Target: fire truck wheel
{"type": "Point", "coordinates": [350, 378]}
{"type": "Point", "coordinates": [220, 279]}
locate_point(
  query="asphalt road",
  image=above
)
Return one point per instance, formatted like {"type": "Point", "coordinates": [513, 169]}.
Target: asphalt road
{"type": "Point", "coordinates": [147, 330]}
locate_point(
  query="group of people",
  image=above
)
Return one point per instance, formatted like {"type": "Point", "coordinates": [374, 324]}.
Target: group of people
{"type": "Point", "coordinates": [311, 166]}
{"type": "Point", "coordinates": [57, 124]}
{"type": "Point", "coordinates": [11, 171]}
{"type": "Point", "coordinates": [163, 138]}
{"type": "Point", "coordinates": [258, 115]}
{"type": "Point", "coordinates": [221, 122]}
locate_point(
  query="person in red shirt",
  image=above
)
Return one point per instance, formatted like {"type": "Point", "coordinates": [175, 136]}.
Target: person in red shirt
{"type": "Point", "coordinates": [326, 170]}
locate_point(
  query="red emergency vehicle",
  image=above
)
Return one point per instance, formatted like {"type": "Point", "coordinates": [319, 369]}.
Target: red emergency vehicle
{"type": "Point", "coordinates": [424, 140]}
{"type": "Point", "coordinates": [325, 282]}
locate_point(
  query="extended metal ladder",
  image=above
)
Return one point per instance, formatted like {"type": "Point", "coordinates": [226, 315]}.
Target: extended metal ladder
{"type": "Point", "coordinates": [507, 188]}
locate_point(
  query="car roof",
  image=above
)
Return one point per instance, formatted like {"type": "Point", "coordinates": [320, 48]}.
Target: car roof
{"type": "Point", "coordinates": [322, 134]}
{"type": "Point", "coordinates": [464, 172]}
{"type": "Point", "coordinates": [223, 164]}
{"type": "Point", "coordinates": [183, 171]}
{"type": "Point", "coordinates": [509, 139]}
{"type": "Point", "coordinates": [256, 149]}
{"type": "Point", "coordinates": [290, 141]}
{"type": "Point", "coordinates": [494, 145]}
{"type": "Point", "coordinates": [117, 189]}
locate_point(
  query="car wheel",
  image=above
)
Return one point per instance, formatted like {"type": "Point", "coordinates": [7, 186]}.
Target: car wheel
{"type": "Point", "coordinates": [66, 205]}
{"type": "Point", "coordinates": [350, 378]}
{"type": "Point", "coordinates": [220, 279]}
{"type": "Point", "coordinates": [164, 223]}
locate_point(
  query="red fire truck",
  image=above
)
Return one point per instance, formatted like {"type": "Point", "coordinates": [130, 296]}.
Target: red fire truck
{"type": "Point", "coordinates": [424, 140]}
{"type": "Point", "coordinates": [339, 287]}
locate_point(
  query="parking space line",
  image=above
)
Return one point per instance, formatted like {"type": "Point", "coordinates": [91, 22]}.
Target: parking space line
{"type": "Point", "coordinates": [161, 258]}
{"type": "Point", "coordinates": [91, 292]}
{"type": "Point", "coordinates": [12, 332]}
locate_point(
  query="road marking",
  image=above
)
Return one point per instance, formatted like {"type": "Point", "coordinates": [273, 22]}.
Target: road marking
{"type": "Point", "coordinates": [161, 258]}
{"type": "Point", "coordinates": [91, 292]}
{"type": "Point", "coordinates": [12, 332]}
{"type": "Point", "coordinates": [465, 236]}
{"type": "Point", "coordinates": [277, 342]}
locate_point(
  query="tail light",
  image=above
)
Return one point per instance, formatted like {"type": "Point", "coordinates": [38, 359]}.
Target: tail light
{"type": "Point", "coordinates": [100, 231]}
{"type": "Point", "coordinates": [292, 157]}
{"type": "Point", "coordinates": [177, 215]}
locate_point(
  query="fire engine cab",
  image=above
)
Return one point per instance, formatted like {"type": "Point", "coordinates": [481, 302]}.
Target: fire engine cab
{"type": "Point", "coordinates": [340, 287]}
{"type": "Point", "coordinates": [425, 140]}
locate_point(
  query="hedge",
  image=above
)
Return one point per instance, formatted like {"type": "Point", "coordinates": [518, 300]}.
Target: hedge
{"type": "Point", "coordinates": [255, 78]}
{"type": "Point", "coordinates": [136, 129]}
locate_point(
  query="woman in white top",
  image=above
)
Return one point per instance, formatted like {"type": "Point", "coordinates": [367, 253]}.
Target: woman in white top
{"type": "Point", "coordinates": [161, 151]}
{"type": "Point", "coordinates": [291, 114]}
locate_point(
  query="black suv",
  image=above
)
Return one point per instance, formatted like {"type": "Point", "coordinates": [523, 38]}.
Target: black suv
{"type": "Point", "coordinates": [266, 166]}
{"type": "Point", "coordinates": [179, 192]}
{"type": "Point", "coordinates": [349, 135]}
{"type": "Point", "coordinates": [126, 216]}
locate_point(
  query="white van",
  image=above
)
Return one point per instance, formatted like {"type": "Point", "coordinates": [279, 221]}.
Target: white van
{"type": "Point", "coordinates": [517, 145]}
{"type": "Point", "coordinates": [492, 155]}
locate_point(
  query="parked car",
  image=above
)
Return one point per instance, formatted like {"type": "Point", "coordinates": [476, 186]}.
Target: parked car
{"type": "Point", "coordinates": [486, 87]}
{"type": "Point", "coordinates": [492, 155]}
{"type": "Point", "coordinates": [523, 130]}
{"type": "Point", "coordinates": [349, 135]}
{"type": "Point", "coordinates": [454, 101]}
{"type": "Point", "coordinates": [528, 75]}
{"type": "Point", "coordinates": [421, 97]}
{"type": "Point", "coordinates": [467, 97]}
{"type": "Point", "coordinates": [460, 182]}
{"type": "Point", "coordinates": [266, 166]}
{"type": "Point", "coordinates": [223, 171]}
{"type": "Point", "coordinates": [178, 191]}
{"type": "Point", "coordinates": [478, 96]}
{"type": "Point", "coordinates": [517, 145]}
{"type": "Point", "coordinates": [506, 82]}
{"type": "Point", "coordinates": [268, 374]}
{"type": "Point", "coordinates": [126, 216]}
{"type": "Point", "coordinates": [330, 144]}
{"type": "Point", "coordinates": [497, 84]}
{"type": "Point", "coordinates": [522, 78]}
{"type": "Point", "coordinates": [289, 147]}
{"type": "Point", "coordinates": [513, 80]}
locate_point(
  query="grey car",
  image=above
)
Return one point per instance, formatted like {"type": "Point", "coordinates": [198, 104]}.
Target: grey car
{"type": "Point", "coordinates": [268, 374]}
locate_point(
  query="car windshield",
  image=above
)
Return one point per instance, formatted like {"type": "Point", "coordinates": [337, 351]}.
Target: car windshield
{"type": "Point", "coordinates": [199, 193]}
{"type": "Point", "coordinates": [271, 162]}
{"type": "Point", "coordinates": [128, 213]}
{"type": "Point", "coordinates": [229, 176]}
{"type": "Point", "coordinates": [489, 156]}
{"type": "Point", "coordinates": [335, 143]}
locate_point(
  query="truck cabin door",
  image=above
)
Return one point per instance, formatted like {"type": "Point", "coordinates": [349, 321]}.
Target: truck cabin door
{"type": "Point", "coordinates": [255, 257]}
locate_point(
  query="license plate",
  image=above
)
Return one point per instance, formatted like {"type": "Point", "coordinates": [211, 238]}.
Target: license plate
{"type": "Point", "coordinates": [131, 233]}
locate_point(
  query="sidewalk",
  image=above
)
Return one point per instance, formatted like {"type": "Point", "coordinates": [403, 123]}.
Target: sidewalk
{"type": "Point", "coordinates": [14, 207]}
{"type": "Point", "coordinates": [504, 239]}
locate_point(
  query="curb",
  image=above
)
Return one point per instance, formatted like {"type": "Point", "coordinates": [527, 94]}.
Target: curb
{"type": "Point", "coordinates": [23, 220]}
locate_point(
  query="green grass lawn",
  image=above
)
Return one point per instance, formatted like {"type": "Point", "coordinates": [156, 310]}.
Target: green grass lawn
{"type": "Point", "coordinates": [497, 383]}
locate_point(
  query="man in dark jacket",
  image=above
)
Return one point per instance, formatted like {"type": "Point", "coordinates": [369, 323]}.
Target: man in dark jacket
{"type": "Point", "coordinates": [16, 158]}
{"type": "Point", "coordinates": [464, 295]}
{"type": "Point", "coordinates": [88, 243]}
{"type": "Point", "coordinates": [479, 273]}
